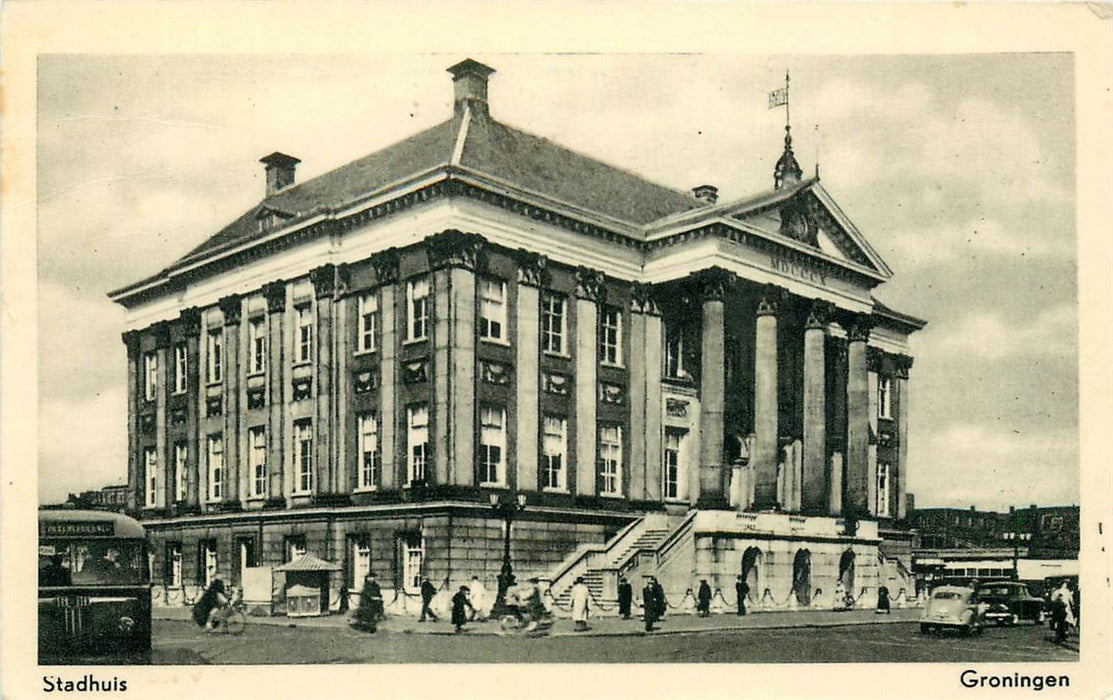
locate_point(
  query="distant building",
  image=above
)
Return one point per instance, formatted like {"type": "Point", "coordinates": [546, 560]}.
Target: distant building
{"type": "Point", "coordinates": [1047, 532]}
{"type": "Point", "coordinates": [354, 366]}
{"type": "Point", "coordinates": [114, 498]}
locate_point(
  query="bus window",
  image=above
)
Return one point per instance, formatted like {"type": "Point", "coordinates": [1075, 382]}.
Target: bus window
{"type": "Point", "coordinates": [94, 562]}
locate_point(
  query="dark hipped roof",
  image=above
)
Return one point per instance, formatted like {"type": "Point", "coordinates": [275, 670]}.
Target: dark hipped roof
{"type": "Point", "coordinates": [490, 148]}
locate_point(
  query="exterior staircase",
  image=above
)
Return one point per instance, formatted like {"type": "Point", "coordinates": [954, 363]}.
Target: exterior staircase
{"type": "Point", "coordinates": [647, 538]}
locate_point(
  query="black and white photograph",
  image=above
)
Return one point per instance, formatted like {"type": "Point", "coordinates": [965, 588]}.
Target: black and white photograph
{"type": "Point", "coordinates": [605, 359]}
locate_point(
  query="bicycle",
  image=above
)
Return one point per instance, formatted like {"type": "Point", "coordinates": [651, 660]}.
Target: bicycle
{"type": "Point", "coordinates": [231, 617]}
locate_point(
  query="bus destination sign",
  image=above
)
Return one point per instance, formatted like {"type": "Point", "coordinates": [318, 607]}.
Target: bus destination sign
{"type": "Point", "coordinates": [76, 528]}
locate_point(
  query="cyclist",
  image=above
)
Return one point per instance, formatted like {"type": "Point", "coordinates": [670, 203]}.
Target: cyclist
{"type": "Point", "coordinates": [211, 609]}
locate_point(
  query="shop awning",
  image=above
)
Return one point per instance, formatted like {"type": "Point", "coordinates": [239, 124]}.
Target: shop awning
{"type": "Point", "coordinates": [308, 562]}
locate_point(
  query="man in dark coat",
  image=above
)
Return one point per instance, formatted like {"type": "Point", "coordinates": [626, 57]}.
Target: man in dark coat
{"type": "Point", "coordinates": [460, 607]}
{"type": "Point", "coordinates": [883, 606]}
{"type": "Point", "coordinates": [741, 590]}
{"type": "Point", "coordinates": [659, 598]}
{"type": "Point", "coordinates": [625, 597]}
{"type": "Point", "coordinates": [703, 598]}
{"type": "Point", "coordinates": [649, 604]}
{"type": "Point", "coordinates": [428, 591]}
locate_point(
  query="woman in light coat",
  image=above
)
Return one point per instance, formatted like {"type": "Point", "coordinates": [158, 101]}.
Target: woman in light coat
{"type": "Point", "coordinates": [580, 597]}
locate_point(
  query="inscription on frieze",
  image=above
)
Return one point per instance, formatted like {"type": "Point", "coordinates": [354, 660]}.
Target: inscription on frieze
{"type": "Point", "coordinates": [799, 268]}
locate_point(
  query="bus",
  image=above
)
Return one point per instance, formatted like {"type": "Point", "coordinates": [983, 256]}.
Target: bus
{"type": "Point", "coordinates": [94, 587]}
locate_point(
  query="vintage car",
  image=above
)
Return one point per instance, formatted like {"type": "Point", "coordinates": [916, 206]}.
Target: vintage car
{"type": "Point", "coordinates": [1009, 602]}
{"type": "Point", "coordinates": [952, 607]}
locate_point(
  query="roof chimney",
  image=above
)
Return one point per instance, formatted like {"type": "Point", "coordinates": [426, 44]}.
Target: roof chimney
{"type": "Point", "coordinates": [280, 171]}
{"type": "Point", "coordinates": [469, 79]}
{"type": "Point", "coordinates": [708, 193]}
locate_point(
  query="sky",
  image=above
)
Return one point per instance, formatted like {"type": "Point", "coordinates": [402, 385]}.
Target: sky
{"type": "Point", "coordinates": [959, 170]}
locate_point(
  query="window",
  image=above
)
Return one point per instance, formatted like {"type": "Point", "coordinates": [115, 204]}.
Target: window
{"type": "Point", "coordinates": [882, 490]}
{"type": "Point", "coordinates": [492, 310]}
{"type": "Point", "coordinates": [610, 460]}
{"type": "Point", "coordinates": [181, 366]}
{"type": "Point", "coordinates": [368, 322]}
{"type": "Point", "coordinates": [173, 578]}
{"type": "Point", "coordinates": [418, 441]}
{"type": "Point", "coordinates": [303, 456]}
{"type": "Point", "coordinates": [246, 554]}
{"type": "Point", "coordinates": [214, 367]}
{"type": "Point", "coordinates": [257, 460]}
{"type": "Point", "coordinates": [417, 302]}
{"type": "Point", "coordinates": [304, 351]}
{"type": "Point", "coordinates": [554, 448]}
{"type": "Point", "coordinates": [492, 445]}
{"type": "Point", "coordinates": [150, 467]}
{"type": "Point", "coordinates": [257, 346]}
{"type": "Point", "coordinates": [360, 552]}
{"type": "Point", "coordinates": [413, 558]}
{"type": "Point", "coordinates": [674, 441]}
{"type": "Point", "coordinates": [216, 467]}
{"type": "Point", "coordinates": [674, 353]}
{"type": "Point", "coordinates": [206, 562]}
{"type": "Point", "coordinates": [150, 376]}
{"type": "Point", "coordinates": [369, 461]}
{"type": "Point", "coordinates": [1056, 523]}
{"type": "Point", "coordinates": [295, 547]}
{"type": "Point", "coordinates": [610, 337]}
{"type": "Point", "coordinates": [884, 397]}
{"type": "Point", "coordinates": [181, 465]}
{"type": "Point", "coordinates": [552, 323]}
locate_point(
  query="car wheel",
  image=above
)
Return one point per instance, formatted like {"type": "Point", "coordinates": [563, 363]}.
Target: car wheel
{"type": "Point", "coordinates": [924, 629]}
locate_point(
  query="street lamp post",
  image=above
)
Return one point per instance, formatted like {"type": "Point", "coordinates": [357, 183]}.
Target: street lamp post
{"type": "Point", "coordinates": [507, 510]}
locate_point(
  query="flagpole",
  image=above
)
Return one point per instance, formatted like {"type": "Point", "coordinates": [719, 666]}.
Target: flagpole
{"type": "Point", "coordinates": [787, 120]}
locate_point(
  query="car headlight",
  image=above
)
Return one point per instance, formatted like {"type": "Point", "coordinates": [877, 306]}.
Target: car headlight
{"type": "Point", "coordinates": [125, 624]}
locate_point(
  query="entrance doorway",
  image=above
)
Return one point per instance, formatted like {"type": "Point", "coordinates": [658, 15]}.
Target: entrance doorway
{"type": "Point", "coordinates": [751, 572]}
{"type": "Point", "coordinates": [802, 577]}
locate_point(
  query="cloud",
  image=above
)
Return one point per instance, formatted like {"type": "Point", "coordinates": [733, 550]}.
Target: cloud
{"type": "Point", "coordinates": [987, 335]}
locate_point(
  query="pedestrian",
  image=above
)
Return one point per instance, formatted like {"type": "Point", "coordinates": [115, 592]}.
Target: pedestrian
{"type": "Point", "coordinates": [839, 602]}
{"type": "Point", "coordinates": [883, 601]}
{"type": "Point", "coordinates": [625, 597]}
{"type": "Point", "coordinates": [478, 599]}
{"type": "Point", "coordinates": [428, 591]}
{"type": "Point", "coordinates": [207, 610]}
{"type": "Point", "coordinates": [741, 590]}
{"type": "Point", "coordinates": [580, 596]}
{"type": "Point", "coordinates": [703, 598]}
{"type": "Point", "coordinates": [659, 599]}
{"type": "Point", "coordinates": [649, 603]}
{"type": "Point", "coordinates": [370, 605]}
{"type": "Point", "coordinates": [344, 593]}
{"type": "Point", "coordinates": [460, 606]}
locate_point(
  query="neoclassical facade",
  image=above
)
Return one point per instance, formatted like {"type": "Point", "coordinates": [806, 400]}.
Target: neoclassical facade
{"type": "Point", "coordinates": [677, 385]}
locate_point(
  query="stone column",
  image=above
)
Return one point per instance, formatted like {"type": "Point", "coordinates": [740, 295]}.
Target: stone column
{"type": "Point", "coordinates": [590, 292]}
{"type": "Point", "coordinates": [163, 450]}
{"type": "Point", "coordinates": [230, 307]}
{"type": "Point", "coordinates": [766, 452]}
{"type": "Point", "coordinates": [815, 491]}
{"type": "Point", "coordinates": [713, 284]}
{"type": "Point", "coordinates": [191, 327]}
{"type": "Point", "coordinates": [640, 371]}
{"type": "Point", "coordinates": [324, 289]}
{"type": "Point", "coordinates": [654, 401]}
{"type": "Point", "coordinates": [857, 429]}
{"type": "Point", "coordinates": [873, 368]}
{"type": "Point", "coordinates": [344, 476]}
{"type": "Point", "coordinates": [904, 364]}
{"type": "Point", "coordinates": [386, 273]}
{"type": "Point", "coordinates": [275, 293]}
{"type": "Point", "coordinates": [135, 480]}
{"type": "Point", "coordinates": [454, 257]}
{"type": "Point", "coordinates": [532, 276]}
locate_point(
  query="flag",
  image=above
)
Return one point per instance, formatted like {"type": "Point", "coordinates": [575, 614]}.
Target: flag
{"type": "Point", "coordinates": [778, 98]}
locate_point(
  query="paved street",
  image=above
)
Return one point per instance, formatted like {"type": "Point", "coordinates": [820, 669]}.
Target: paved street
{"type": "Point", "coordinates": [864, 640]}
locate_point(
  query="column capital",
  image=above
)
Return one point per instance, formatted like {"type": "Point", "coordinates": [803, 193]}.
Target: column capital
{"type": "Point", "coordinates": [386, 265]}
{"type": "Point", "coordinates": [532, 268]}
{"type": "Point", "coordinates": [590, 285]}
{"type": "Point", "coordinates": [191, 321]}
{"type": "Point", "coordinates": [819, 315]}
{"type": "Point", "coordinates": [275, 292]}
{"type": "Point", "coordinates": [452, 248]}
{"type": "Point", "coordinates": [131, 341]}
{"type": "Point", "coordinates": [875, 359]}
{"type": "Point", "coordinates": [642, 299]}
{"type": "Point", "coordinates": [859, 327]}
{"type": "Point", "coordinates": [323, 279]}
{"type": "Point", "coordinates": [230, 306]}
{"type": "Point", "coordinates": [161, 333]}
{"type": "Point", "coordinates": [343, 279]}
{"type": "Point", "coordinates": [903, 363]}
{"type": "Point", "coordinates": [771, 297]}
{"type": "Point", "coordinates": [713, 283]}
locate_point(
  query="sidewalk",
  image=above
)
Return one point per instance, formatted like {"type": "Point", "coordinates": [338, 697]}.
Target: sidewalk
{"type": "Point", "coordinates": [602, 626]}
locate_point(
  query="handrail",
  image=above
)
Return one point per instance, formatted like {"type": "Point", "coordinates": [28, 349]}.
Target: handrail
{"type": "Point", "coordinates": [585, 551]}
{"type": "Point", "coordinates": [674, 537]}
